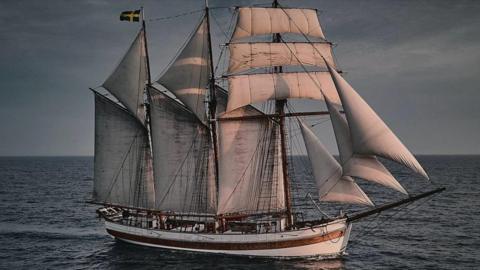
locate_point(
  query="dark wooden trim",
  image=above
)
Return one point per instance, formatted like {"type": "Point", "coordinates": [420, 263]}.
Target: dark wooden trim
{"type": "Point", "coordinates": [250, 117]}
{"type": "Point", "coordinates": [308, 113]}
{"type": "Point", "coordinates": [228, 245]}
{"type": "Point", "coordinates": [255, 42]}
{"type": "Point", "coordinates": [392, 205]}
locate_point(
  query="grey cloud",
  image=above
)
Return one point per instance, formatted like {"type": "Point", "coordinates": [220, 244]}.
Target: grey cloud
{"type": "Point", "coordinates": [415, 62]}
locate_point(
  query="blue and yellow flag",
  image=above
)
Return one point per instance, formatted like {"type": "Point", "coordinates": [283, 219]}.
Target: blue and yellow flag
{"type": "Point", "coordinates": [131, 16]}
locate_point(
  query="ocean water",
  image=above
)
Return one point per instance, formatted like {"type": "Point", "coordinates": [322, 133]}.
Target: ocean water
{"type": "Point", "coordinates": [46, 224]}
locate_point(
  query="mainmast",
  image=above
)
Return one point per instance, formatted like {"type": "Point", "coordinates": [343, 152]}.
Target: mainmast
{"type": "Point", "coordinates": [212, 104]}
{"type": "Point", "coordinates": [280, 110]}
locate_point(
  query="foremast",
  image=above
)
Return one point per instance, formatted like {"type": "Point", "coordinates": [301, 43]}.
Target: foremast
{"type": "Point", "coordinates": [123, 155]}
{"type": "Point", "coordinates": [148, 122]}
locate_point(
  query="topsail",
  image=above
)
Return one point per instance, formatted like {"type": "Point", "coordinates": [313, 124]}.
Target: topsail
{"type": "Point", "coordinates": [244, 56]}
{"type": "Point", "coordinates": [127, 82]}
{"type": "Point", "coordinates": [247, 89]}
{"type": "Point", "coordinates": [261, 21]}
{"type": "Point", "coordinates": [187, 77]}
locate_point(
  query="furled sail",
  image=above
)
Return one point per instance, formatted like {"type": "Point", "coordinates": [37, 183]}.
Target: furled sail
{"type": "Point", "coordinates": [127, 82]}
{"type": "Point", "coordinates": [248, 89]}
{"type": "Point", "coordinates": [370, 135]}
{"type": "Point", "coordinates": [363, 166]}
{"type": "Point", "coordinates": [250, 170]}
{"type": "Point", "coordinates": [122, 174]}
{"type": "Point", "coordinates": [188, 75]}
{"type": "Point", "coordinates": [260, 21]}
{"type": "Point", "coordinates": [244, 56]}
{"type": "Point", "coordinates": [331, 183]}
{"type": "Point", "coordinates": [184, 181]}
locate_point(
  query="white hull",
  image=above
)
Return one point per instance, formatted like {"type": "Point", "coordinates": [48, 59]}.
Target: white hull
{"type": "Point", "coordinates": [327, 240]}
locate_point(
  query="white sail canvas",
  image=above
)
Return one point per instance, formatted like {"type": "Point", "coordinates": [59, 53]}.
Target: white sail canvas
{"type": "Point", "coordinates": [250, 171]}
{"type": "Point", "coordinates": [188, 75]}
{"type": "Point", "coordinates": [249, 89]}
{"type": "Point", "coordinates": [121, 166]}
{"type": "Point", "coordinates": [356, 165]}
{"type": "Point", "coordinates": [127, 82]}
{"type": "Point", "coordinates": [260, 21]}
{"type": "Point", "coordinates": [244, 56]}
{"type": "Point", "coordinates": [370, 135]}
{"type": "Point", "coordinates": [182, 154]}
{"type": "Point", "coordinates": [331, 183]}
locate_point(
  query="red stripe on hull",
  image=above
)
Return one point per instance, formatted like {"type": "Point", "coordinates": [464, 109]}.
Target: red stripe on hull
{"type": "Point", "coordinates": [228, 246]}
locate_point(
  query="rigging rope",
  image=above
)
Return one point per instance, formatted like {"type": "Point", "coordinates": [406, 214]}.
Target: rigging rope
{"type": "Point", "coordinates": [175, 16]}
{"type": "Point", "coordinates": [368, 230]}
{"type": "Point", "coordinates": [229, 29]}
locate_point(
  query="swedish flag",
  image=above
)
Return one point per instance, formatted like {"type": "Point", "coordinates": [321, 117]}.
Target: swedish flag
{"type": "Point", "coordinates": [131, 16]}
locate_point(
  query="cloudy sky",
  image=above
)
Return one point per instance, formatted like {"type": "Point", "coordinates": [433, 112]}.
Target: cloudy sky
{"type": "Point", "coordinates": [416, 62]}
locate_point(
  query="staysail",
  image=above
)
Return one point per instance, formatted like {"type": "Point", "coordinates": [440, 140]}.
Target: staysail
{"type": "Point", "coordinates": [260, 21]}
{"type": "Point", "coordinates": [250, 171]}
{"type": "Point", "coordinates": [188, 76]}
{"type": "Point", "coordinates": [184, 179]}
{"type": "Point", "coordinates": [249, 89]}
{"type": "Point", "coordinates": [127, 82]}
{"type": "Point", "coordinates": [122, 174]}
{"type": "Point", "coordinates": [370, 135]}
{"type": "Point", "coordinates": [363, 166]}
{"type": "Point", "coordinates": [331, 183]}
{"type": "Point", "coordinates": [244, 56]}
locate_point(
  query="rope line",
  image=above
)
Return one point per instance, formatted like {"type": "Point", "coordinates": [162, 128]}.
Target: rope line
{"type": "Point", "coordinates": [175, 16]}
{"type": "Point", "coordinates": [368, 230]}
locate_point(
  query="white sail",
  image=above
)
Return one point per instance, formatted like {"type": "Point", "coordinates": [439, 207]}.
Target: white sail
{"type": "Point", "coordinates": [121, 165]}
{"type": "Point", "coordinates": [331, 183]}
{"type": "Point", "coordinates": [250, 171]}
{"type": "Point", "coordinates": [363, 166]}
{"type": "Point", "coordinates": [347, 191]}
{"type": "Point", "coordinates": [187, 77]}
{"type": "Point", "coordinates": [260, 21]}
{"type": "Point", "coordinates": [182, 158]}
{"type": "Point", "coordinates": [370, 135]}
{"type": "Point", "coordinates": [244, 56]}
{"type": "Point", "coordinates": [127, 82]}
{"type": "Point", "coordinates": [249, 89]}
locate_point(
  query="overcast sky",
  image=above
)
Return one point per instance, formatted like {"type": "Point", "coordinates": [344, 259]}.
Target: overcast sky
{"type": "Point", "coordinates": [417, 63]}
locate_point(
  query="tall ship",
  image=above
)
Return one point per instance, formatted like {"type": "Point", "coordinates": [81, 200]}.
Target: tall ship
{"type": "Point", "coordinates": [203, 158]}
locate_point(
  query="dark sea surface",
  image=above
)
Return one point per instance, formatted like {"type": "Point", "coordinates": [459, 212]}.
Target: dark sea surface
{"type": "Point", "coordinates": [46, 224]}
